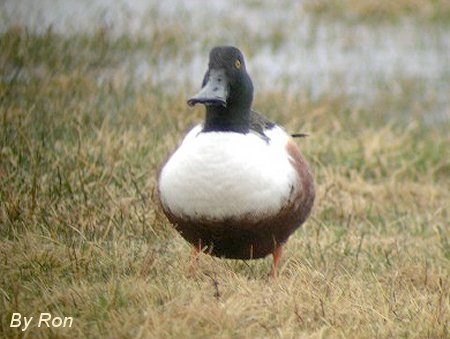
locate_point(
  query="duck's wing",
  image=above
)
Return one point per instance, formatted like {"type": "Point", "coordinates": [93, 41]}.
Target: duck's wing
{"type": "Point", "coordinates": [259, 124]}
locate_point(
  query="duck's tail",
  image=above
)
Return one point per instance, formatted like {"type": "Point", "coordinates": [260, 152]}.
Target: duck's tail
{"type": "Point", "coordinates": [299, 135]}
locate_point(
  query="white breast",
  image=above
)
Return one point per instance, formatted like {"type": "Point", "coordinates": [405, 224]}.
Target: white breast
{"type": "Point", "coordinates": [223, 174]}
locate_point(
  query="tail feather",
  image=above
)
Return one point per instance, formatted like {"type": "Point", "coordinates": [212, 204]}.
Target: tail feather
{"type": "Point", "coordinates": [299, 135]}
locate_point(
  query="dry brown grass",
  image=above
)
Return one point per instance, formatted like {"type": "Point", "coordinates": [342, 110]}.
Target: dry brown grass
{"type": "Point", "coordinates": [81, 235]}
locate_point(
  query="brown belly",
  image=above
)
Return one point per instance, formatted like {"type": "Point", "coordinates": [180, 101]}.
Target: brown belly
{"type": "Point", "coordinates": [242, 238]}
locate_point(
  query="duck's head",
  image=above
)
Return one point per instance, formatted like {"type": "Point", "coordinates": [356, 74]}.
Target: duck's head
{"type": "Point", "coordinates": [226, 84]}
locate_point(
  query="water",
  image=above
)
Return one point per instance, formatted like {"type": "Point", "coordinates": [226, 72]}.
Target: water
{"type": "Point", "coordinates": [290, 50]}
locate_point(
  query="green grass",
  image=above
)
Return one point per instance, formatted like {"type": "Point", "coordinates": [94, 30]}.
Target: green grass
{"type": "Point", "coordinates": [82, 236]}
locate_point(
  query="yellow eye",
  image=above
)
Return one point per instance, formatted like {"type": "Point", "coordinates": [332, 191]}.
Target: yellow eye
{"type": "Point", "coordinates": [237, 64]}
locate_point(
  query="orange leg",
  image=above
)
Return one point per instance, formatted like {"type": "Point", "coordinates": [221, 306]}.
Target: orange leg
{"type": "Point", "coordinates": [196, 250]}
{"type": "Point", "coordinates": [195, 253]}
{"type": "Point", "coordinates": [276, 260]}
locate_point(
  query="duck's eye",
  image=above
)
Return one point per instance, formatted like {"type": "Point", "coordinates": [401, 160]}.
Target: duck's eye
{"type": "Point", "coordinates": [237, 64]}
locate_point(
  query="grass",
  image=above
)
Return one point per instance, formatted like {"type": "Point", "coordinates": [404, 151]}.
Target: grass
{"type": "Point", "coordinates": [435, 10]}
{"type": "Point", "coordinates": [81, 234]}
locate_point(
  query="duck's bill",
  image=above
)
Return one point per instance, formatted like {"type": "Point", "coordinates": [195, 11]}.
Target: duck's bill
{"type": "Point", "coordinates": [214, 92]}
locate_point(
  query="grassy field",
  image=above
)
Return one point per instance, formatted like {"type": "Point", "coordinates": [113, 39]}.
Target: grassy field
{"type": "Point", "coordinates": [81, 235]}
{"type": "Point", "coordinates": [435, 10]}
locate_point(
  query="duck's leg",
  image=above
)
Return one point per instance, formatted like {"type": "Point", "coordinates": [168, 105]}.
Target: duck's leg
{"type": "Point", "coordinates": [194, 258]}
{"type": "Point", "coordinates": [195, 253]}
{"type": "Point", "coordinates": [276, 260]}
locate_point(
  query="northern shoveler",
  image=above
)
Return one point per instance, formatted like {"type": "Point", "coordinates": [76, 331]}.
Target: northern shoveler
{"type": "Point", "coordinates": [237, 186]}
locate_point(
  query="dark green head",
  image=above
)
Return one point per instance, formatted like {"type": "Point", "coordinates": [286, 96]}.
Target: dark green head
{"type": "Point", "coordinates": [227, 91]}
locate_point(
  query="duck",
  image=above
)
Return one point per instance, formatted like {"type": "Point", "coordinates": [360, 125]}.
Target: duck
{"type": "Point", "coordinates": [237, 186]}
